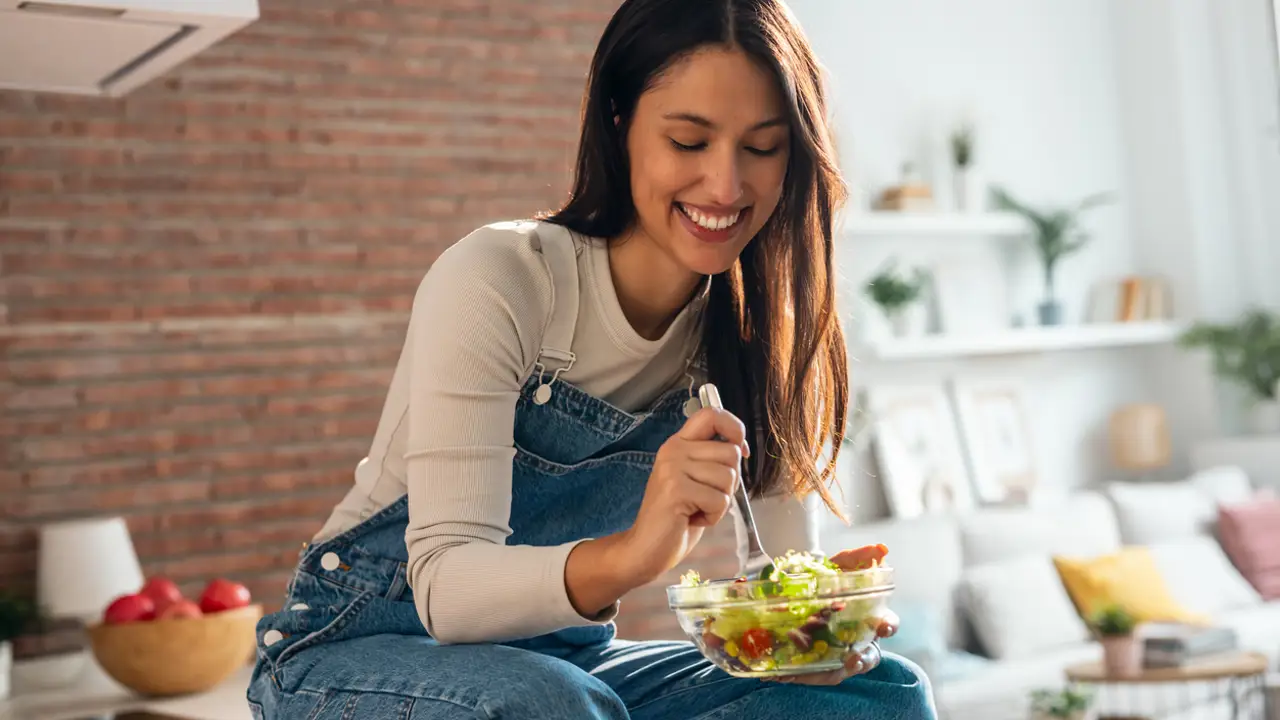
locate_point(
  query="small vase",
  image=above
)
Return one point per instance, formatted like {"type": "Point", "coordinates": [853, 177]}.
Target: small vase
{"type": "Point", "coordinates": [6, 668]}
{"type": "Point", "coordinates": [1050, 312]}
{"type": "Point", "coordinates": [900, 324]}
{"type": "Point", "coordinates": [969, 189]}
{"type": "Point", "coordinates": [907, 322]}
{"type": "Point", "coordinates": [1122, 655]}
{"type": "Point", "coordinates": [1264, 417]}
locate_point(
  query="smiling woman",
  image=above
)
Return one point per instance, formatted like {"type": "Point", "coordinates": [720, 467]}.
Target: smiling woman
{"type": "Point", "coordinates": [538, 456]}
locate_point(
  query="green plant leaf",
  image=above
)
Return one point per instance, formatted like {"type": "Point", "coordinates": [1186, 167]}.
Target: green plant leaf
{"type": "Point", "coordinates": [17, 614]}
{"type": "Point", "coordinates": [892, 290]}
{"type": "Point", "coordinates": [1245, 352]}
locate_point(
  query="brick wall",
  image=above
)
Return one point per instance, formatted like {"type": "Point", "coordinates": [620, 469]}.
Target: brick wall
{"type": "Point", "coordinates": [206, 283]}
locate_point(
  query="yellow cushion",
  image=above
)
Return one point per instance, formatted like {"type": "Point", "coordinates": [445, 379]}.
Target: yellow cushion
{"type": "Point", "coordinates": [1128, 578]}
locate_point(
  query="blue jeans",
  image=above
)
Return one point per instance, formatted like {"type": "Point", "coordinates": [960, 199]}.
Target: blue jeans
{"type": "Point", "coordinates": [389, 676]}
{"type": "Point", "coordinates": [349, 644]}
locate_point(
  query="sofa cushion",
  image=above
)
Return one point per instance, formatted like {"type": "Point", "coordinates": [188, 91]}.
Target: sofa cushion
{"type": "Point", "coordinates": [1081, 523]}
{"type": "Point", "coordinates": [1154, 512]}
{"type": "Point", "coordinates": [920, 639]}
{"type": "Point", "coordinates": [1128, 578]}
{"type": "Point", "coordinates": [1019, 608]}
{"type": "Point", "coordinates": [1257, 628]}
{"type": "Point", "coordinates": [925, 555]}
{"type": "Point", "coordinates": [1002, 690]}
{"type": "Point", "coordinates": [1250, 533]}
{"type": "Point", "coordinates": [1224, 484]}
{"type": "Point", "coordinates": [1200, 577]}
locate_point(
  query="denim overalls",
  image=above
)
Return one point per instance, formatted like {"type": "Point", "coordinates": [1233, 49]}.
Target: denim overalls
{"type": "Point", "coordinates": [348, 642]}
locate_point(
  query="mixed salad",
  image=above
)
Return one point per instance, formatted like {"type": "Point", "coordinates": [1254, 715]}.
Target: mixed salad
{"type": "Point", "coordinates": [803, 613]}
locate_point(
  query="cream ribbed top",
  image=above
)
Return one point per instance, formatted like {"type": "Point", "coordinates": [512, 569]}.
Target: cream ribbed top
{"type": "Point", "coordinates": [446, 432]}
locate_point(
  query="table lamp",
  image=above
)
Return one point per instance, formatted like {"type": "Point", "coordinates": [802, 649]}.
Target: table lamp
{"type": "Point", "coordinates": [1139, 438]}
{"type": "Point", "coordinates": [83, 565]}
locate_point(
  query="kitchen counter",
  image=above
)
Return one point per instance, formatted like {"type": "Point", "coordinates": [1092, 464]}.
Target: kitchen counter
{"type": "Point", "coordinates": [95, 696]}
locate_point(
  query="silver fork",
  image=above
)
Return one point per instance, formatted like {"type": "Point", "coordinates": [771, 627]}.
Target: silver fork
{"type": "Point", "coordinates": [757, 559]}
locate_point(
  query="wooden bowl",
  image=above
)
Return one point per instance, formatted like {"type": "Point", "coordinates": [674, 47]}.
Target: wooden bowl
{"type": "Point", "coordinates": [177, 656]}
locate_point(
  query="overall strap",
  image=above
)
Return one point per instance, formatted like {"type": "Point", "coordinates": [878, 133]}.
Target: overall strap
{"type": "Point", "coordinates": [559, 254]}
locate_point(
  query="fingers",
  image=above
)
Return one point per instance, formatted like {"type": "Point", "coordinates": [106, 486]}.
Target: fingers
{"type": "Point", "coordinates": [706, 505]}
{"type": "Point", "coordinates": [709, 423]}
{"type": "Point", "coordinates": [723, 453]}
{"type": "Point", "coordinates": [864, 662]}
{"type": "Point", "coordinates": [714, 475]}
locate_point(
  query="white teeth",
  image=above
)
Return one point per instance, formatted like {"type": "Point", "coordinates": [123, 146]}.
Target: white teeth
{"type": "Point", "coordinates": [709, 222]}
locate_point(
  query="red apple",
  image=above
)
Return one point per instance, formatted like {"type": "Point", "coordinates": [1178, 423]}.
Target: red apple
{"type": "Point", "coordinates": [181, 609]}
{"type": "Point", "coordinates": [162, 591]}
{"type": "Point", "coordinates": [222, 594]}
{"type": "Point", "coordinates": [129, 608]}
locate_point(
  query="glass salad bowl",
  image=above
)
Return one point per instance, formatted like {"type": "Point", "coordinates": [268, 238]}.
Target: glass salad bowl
{"type": "Point", "coordinates": [801, 615]}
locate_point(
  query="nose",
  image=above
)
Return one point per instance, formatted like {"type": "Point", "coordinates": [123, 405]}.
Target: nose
{"type": "Point", "coordinates": [724, 179]}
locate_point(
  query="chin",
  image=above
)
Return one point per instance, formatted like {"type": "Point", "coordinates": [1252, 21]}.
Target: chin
{"type": "Point", "coordinates": [709, 261]}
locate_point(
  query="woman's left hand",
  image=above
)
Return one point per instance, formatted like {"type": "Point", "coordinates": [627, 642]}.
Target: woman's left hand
{"type": "Point", "coordinates": [864, 662]}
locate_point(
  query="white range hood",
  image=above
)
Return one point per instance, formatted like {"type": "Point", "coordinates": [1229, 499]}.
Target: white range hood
{"type": "Point", "coordinates": [104, 47]}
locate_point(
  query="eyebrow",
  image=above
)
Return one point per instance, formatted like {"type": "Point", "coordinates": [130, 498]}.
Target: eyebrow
{"type": "Point", "coordinates": [703, 122]}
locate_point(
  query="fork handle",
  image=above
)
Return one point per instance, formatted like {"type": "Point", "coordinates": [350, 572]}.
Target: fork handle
{"type": "Point", "coordinates": [709, 396]}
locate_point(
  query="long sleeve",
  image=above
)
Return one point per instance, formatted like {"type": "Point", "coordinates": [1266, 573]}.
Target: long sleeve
{"type": "Point", "coordinates": [475, 325]}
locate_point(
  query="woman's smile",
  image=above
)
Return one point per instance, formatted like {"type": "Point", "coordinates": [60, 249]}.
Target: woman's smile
{"type": "Point", "coordinates": [712, 224]}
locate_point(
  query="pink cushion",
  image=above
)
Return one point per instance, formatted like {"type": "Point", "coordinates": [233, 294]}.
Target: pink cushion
{"type": "Point", "coordinates": [1250, 535]}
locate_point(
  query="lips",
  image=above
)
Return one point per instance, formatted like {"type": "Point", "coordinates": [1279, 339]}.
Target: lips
{"type": "Point", "coordinates": [711, 227]}
{"type": "Point", "coordinates": [710, 220]}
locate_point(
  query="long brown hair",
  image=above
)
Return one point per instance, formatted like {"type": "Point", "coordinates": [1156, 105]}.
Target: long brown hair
{"type": "Point", "coordinates": [774, 343]}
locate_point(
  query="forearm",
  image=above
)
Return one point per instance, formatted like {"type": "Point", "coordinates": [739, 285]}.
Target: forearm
{"type": "Point", "coordinates": [596, 576]}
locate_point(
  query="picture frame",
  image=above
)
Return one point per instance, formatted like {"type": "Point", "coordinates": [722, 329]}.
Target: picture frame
{"type": "Point", "coordinates": [996, 433]}
{"type": "Point", "coordinates": [917, 450]}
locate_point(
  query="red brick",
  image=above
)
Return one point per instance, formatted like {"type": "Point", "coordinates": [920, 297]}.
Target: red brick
{"type": "Point", "coordinates": [108, 500]}
{"type": "Point", "coordinates": [311, 166]}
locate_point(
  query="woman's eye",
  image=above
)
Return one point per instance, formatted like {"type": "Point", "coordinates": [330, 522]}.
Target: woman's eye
{"type": "Point", "coordinates": [765, 153]}
{"type": "Point", "coordinates": [687, 148]}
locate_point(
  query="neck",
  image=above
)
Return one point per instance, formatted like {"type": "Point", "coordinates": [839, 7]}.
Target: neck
{"type": "Point", "coordinates": [652, 287]}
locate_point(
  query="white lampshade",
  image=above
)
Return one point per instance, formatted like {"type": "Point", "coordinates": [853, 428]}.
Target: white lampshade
{"type": "Point", "coordinates": [84, 565]}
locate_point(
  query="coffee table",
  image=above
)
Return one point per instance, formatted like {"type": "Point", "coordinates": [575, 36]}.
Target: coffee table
{"type": "Point", "coordinates": [1236, 677]}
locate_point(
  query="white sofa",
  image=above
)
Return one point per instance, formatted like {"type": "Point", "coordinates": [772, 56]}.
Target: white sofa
{"type": "Point", "coordinates": [1004, 623]}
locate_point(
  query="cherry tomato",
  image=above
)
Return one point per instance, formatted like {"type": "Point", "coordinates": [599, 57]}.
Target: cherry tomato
{"type": "Point", "coordinates": [756, 642]}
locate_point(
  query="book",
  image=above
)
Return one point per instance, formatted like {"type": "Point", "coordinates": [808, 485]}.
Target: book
{"type": "Point", "coordinates": [1176, 644]}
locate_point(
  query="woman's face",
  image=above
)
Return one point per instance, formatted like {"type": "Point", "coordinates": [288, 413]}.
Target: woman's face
{"type": "Point", "coordinates": [708, 148]}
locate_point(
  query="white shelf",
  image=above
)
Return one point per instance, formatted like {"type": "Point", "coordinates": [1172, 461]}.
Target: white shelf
{"type": "Point", "coordinates": [934, 224]}
{"type": "Point", "coordinates": [1024, 341]}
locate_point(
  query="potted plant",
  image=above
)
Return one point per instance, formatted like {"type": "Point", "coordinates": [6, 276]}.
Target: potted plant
{"type": "Point", "coordinates": [967, 184]}
{"type": "Point", "coordinates": [1247, 353]}
{"type": "Point", "coordinates": [1070, 703]}
{"type": "Point", "coordinates": [16, 616]}
{"type": "Point", "coordinates": [896, 294]}
{"type": "Point", "coordinates": [1121, 648]}
{"type": "Point", "coordinates": [1057, 235]}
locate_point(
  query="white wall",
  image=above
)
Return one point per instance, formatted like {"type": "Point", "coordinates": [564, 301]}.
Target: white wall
{"type": "Point", "coordinates": [1039, 80]}
{"type": "Point", "coordinates": [1201, 110]}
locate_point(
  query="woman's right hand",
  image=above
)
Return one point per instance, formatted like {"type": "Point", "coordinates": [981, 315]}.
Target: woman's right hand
{"type": "Point", "coordinates": [690, 488]}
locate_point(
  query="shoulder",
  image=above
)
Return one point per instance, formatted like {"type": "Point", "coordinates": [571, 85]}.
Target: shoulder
{"type": "Point", "coordinates": [500, 261]}
{"type": "Point", "coordinates": [504, 250]}
{"type": "Point", "coordinates": [491, 281]}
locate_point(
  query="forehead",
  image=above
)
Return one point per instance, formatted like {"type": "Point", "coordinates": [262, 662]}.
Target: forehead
{"type": "Point", "coordinates": [725, 86]}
